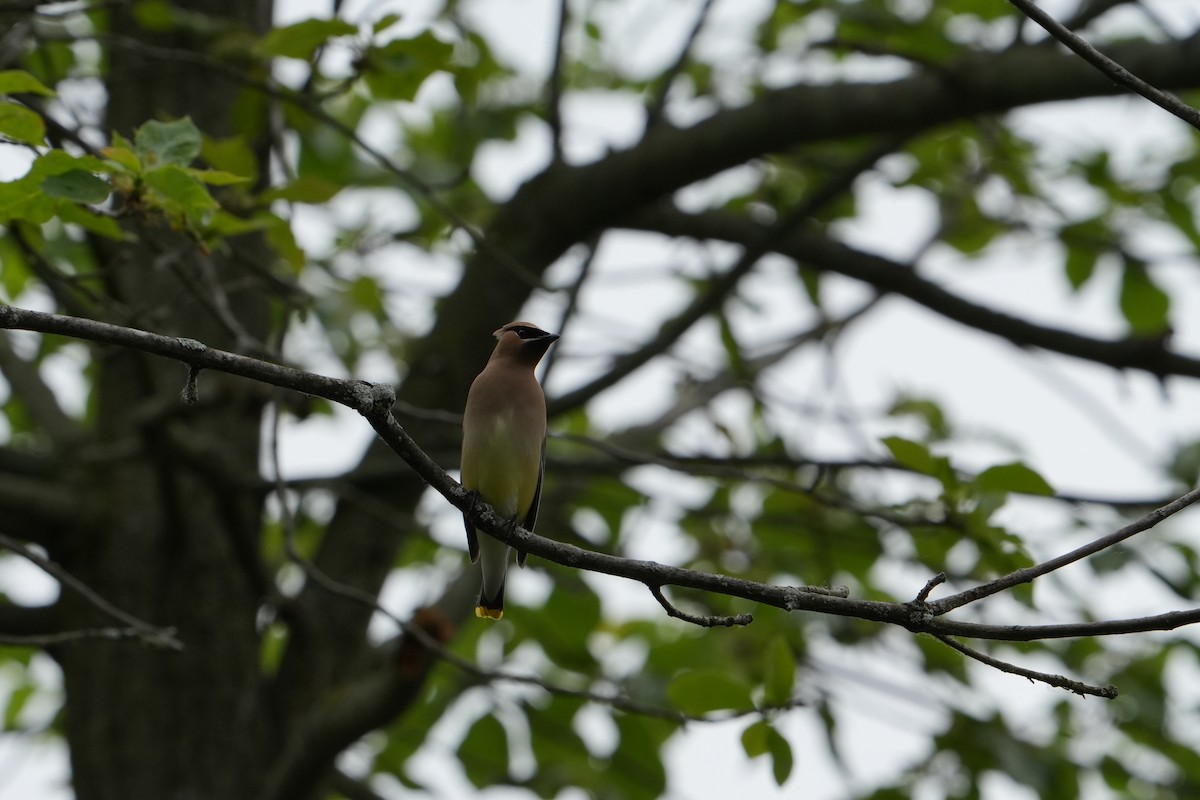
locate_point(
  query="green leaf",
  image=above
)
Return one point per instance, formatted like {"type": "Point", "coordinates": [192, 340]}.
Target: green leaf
{"type": "Point", "coordinates": [280, 236]}
{"type": "Point", "coordinates": [21, 125]}
{"type": "Point", "coordinates": [780, 674]}
{"type": "Point", "coordinates": [919, 458]}
{"type": "Point", "coordinates": [222, 223]}
{"type": "Point", "coordinates": [16, 81]}
{"type": "Point", "coordinates": [385, 22]}
{"type": "Point", "coordinates": [927, 411]}
{"type": "Point", "coordinates": [56, 162]}
{"type": "Point", "coordinates": [702, 690]}
{"type": "Point", "coordinates": [305, 189]}
{"type": "Point", "coordinates": [830, 724]}
{"type": "Point", "coordinates": [14, 269]}
{"type": "Point", "coordinates": [396, 70]}
{"type": "Point", "coordinates": [216, 177]}
{"type": "Point", "coordinates": [968, 229]}
{"type": "Point", "coordinates": [1144, 305]}
{"type": "Point", "coordinates": [1014, 477]}
{"type": "Point", "coordinates": [178, 193]}
{"type": "Point", "coordinates": [484, 752]}
{"type": "Point", "coordinates": [908, 453]}
{"type": "Point", "coordinates": [1080, 266]}
{"type": "Point", "coordinates": [1185, 464]}
{"type": "Point", "coordinates": [762, 738]}
{"type": "Point", "coordinates": [77, 186]}
{"type": "Point", "coordinates": [161, 143]}
{"type": "Point", "coordinates": [301, 39]}
{"type": "Point", "coordinates": [781, 756]}
{"type": "Point", "coordinates": [155, 15]}
{"type": "Point", "coordinates": [562, 757]}
{"type": "Point", "coordinates": [811, 280]}
{"type": "Point", "coordinates": [754, 739]}
{"type": "Point", "coordinates": [98, 224]}
{"type": "Point", "coordinates": [230, 155]}
{"type": "Point", "coordinates": [25, 199]}
{"type": "Point", "coordinates": [123, 157]}
{"type": "Point", "coordinates": [16, 704]}
{"type": "Point", "coordinates": [636, 769]}
{"type": "Point", "coordinates": [1179, 212]}
{"type": "Point", "coordinates": [563, 626]}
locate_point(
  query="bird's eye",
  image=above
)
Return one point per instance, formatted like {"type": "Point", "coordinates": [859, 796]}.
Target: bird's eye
{"type": "Point", "coordinates": [526, 332]}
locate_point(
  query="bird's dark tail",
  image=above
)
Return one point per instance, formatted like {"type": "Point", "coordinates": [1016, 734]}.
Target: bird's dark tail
{"type": "Point", "coordinates": [490, 607]}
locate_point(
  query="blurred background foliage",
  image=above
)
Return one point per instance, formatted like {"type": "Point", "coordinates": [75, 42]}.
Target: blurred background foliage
{"type": "Point", "coordinates": [380, 153]}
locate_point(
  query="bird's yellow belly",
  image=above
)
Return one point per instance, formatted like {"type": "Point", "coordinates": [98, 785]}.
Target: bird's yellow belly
{"type": "Point", "coordinates": [503, 468]}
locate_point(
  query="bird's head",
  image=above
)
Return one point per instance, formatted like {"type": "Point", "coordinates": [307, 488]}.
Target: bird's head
{"type": "Point", "coordinates": [523, 341]}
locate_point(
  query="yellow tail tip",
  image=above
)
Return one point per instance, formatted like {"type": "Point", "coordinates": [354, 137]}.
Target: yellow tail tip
{"type": "Point", "coordinates": [489, 613]}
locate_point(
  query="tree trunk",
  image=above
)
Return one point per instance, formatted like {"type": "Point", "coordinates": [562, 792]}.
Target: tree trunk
{"type": "Point", "coordinates": [175, 540]}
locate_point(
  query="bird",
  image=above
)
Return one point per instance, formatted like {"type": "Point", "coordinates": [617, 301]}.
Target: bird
{"type": "Point", "coordinates": [504, 450]}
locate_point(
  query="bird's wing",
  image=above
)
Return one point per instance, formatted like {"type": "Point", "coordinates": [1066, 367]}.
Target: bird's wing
{"type": "Point", "coordinates": [472, 539]}
{"type": "Point", "coordinates": [531, 515]}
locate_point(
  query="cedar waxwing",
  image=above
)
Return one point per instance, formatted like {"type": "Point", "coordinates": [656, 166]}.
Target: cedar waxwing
{"type": "Point", "coordinates": [504, 449]}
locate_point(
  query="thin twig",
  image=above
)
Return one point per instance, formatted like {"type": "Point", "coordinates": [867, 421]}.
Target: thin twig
{"type": "Point", "coordinates": [654, 114]}
{"type": "Point", "coordinates": [1078, 687]}
{"type": "Point", "coordinates": [82, 635]}
{"type": "Point", "coordinates": [715, 621]}
{"type": "Point", "coordinates": [572, 305]}
{"type": "Point", "coordinates": [1027, 574]}
{"type": "Point", "coordinates": [1106, 65]}
{"type": "Point", "coordinates": [930, 585]}
{"type": "Point", "coordinates": [554, 86]}
{"type": "Point", "coordinates": [151, 634]}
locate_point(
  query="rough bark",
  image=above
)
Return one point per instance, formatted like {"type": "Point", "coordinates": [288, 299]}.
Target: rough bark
{"type": "Point", "coordinates": [169, 542]}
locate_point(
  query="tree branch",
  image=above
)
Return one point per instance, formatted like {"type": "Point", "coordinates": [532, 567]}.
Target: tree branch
{"type": "Point", "coordinates": [55, 639]}
{"type": "Point", "coordinates": [1078, 687]}
{"type": "Point", "coordinates": [571, 307]}
{"type": "Point", "coordinates": [1028, 574]}
{"type": "Point", "coordinates": [828, 255]}
{"type": "Point", "coordinates": [374, 403]}
{"type": "Point", "coordinates": [702, 621]}
{"type": "Point", "coordinates": [566, 204]}
{"type": "Point", "coordinates": [150, 634]}
{"type": "Point", "coordinates": [372, 702]}
{"type": "Point", "coordinates": [722, 287]}
{"type": "Point", "coordinates": [1107, 66]}
{"type": "Point", "coordinates": [38, 399]}
{"type": "Point", "coordinates": [654, 114]}
{"type": "Point", "coordinates": [554, 86]}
